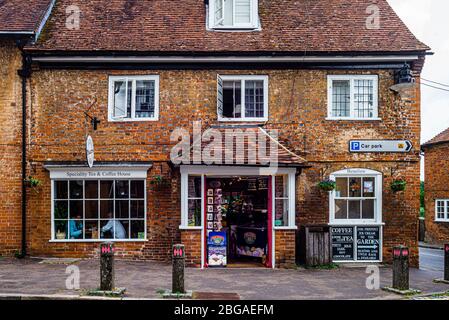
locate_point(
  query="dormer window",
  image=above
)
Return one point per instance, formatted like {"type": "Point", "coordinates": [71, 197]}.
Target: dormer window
{"type": "Point", "coordinates": [233, 14]}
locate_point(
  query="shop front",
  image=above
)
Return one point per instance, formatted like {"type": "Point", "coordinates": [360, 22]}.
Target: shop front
{"type": "Point", "coordinates": [239, 213]}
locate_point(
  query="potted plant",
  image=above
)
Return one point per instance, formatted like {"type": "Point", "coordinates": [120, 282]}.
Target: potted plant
{"type": "Point", "coordinates": [327, 185]}
{"type": "Point", "coordinates": [398, 185]}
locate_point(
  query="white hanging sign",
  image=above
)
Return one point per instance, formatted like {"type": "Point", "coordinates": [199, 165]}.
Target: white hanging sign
{"type": "Point", "coordinates": [90, 151]}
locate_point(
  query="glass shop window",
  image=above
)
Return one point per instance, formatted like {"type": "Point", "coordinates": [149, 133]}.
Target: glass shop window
{"type": "Point", "coordinates": [281, 201]}
{"type": "Point", "coordinates": [194, 201]}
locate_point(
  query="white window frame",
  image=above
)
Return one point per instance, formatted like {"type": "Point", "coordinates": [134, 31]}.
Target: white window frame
{"type": "Point", "coordinates": [357, 173]}
{"type": "Point", "coordinates": [446, 210]}
{"type": "Point", "coordinates": [351, 79]}
{"type": "Point", "coordinates": [127, 78]}
{"type": "Point", "coordinates": [243, 79]}
{"type": "Point", "coordinates": [254, 16]}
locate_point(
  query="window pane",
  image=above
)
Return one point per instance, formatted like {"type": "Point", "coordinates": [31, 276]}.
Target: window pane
{"type": "Point", "coordinates": [122, 99]}
{"type": "Point", "coordinates": [441, 209]}
{"type": "Point", "coordinates": [61, 210]}
{"type": "Point", "coordinates": [368, 209]}
{"type": "Point", "coordinates": [369, 187]}
{"type": "Point", "coordinates": [342, 187]}
{"type": "Point", "coordinates": [107, 229]}
{"type": "Point", "coordinates": [219, 12]}
{"type": "Point", "coordinates": [138, 229]}
{"type": "Point", "coordinates": [281, 187]}
{"type": "Point", "coordinates": [232, 99]}
{"type": "Point", "coordinates": [355, 187]}
{"type": "Point", "coordinates": [138, 189]}
{"type": "Point", "coordinates": [91, 189]}
{"type": "Point", "coordinates": [137, 209]}
{"type": "Point", "coordinates": [61, 189]}
{"type": "Point", "coordinates": [91, 207]}
{"type": "Point", "coordinates": [106, 189]}
{"type": "Point", "coordinates": [92, 229]}
{"type": "Point", "coordinates": [122, 189]}
{"type": "Point", "coordinates": [61, 230]}
{"type": "Point", "coordinates": [364, 98]}
{"type": "Point", "coordinates": [194, 187]}
{"type": "Point", "coordinates": [121, 229]}
{"type": "Point", "coordinates": [76, 229]}
{"type": "Point", "coordinates": [76, 189]}
{"type": "Point", "coordinates": [122, 209]}
{"type": "Point", "coordinates": [242, 11]}
{"type": "Point", "coordinates": [341, 98]}
{"type": "Point", "coordinates": [341, 209]}
{"type": "Point", "coordinates": [106, 209]}
{"type": "Point", "coordinates": [354, 209]}
{"type": "Point", "coordinates": [254, 99]}
{"type": "Point", "coordinates": [76, 209]}
{"type": "Point", "coordinates": [228, 10]}
{"type": "Point", "coordinates": [145, 98]}
{"type": "Point", "coordinates": [281, 213]}
{"type": "Point", "coordinates": [194, 213]}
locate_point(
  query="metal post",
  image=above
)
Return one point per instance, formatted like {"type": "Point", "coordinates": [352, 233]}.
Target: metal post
{"type": "Point", "coordinates": [107, 274]}
{"type": "Point", "coordinates": [178, 268]}
{"type": "Point", "coordinates": [401, 268]}
{"type": "Point", "coordinates": [446, 262]}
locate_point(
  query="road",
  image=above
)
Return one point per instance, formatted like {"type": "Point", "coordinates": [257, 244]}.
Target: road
{"type": "Point", "coordinates": [431, 259]}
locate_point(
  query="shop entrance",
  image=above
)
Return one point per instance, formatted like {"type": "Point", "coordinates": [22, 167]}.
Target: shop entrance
{"type": "Point", "coordinates": [238, 221]}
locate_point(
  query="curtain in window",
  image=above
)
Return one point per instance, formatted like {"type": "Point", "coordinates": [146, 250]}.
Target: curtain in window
{"type": "Point", "coordinates": [242, 11]}
{"type": "Point", "coordinates": [364, 98]}
{"type": "Point", "coordinates": [145, 99]}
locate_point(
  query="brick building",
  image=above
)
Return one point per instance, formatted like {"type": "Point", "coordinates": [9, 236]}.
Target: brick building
{"type": "Point", "coordinates": [437, 188]}
{"type": "Point", "coordinates": [288, 74]}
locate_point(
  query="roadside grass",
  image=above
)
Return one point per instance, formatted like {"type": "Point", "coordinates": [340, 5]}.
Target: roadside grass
{"type": "Point", "coordinates": [331, 266]}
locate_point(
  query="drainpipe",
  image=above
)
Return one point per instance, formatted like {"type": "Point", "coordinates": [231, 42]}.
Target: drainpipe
{"type": "Point", "coordinates": [24, 73]}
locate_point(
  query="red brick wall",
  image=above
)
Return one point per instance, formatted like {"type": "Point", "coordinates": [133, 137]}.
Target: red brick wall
{"type": "Point", "coordinates": [10, 148]}
{"type": "Point", "coordinates": [192, 241]}
{"type": "Point", "coordinates": [297, 107]}
{"type": "Point", "coordinates": [436, 187]}
{"type": "Point", "coordinates": [285, 248]}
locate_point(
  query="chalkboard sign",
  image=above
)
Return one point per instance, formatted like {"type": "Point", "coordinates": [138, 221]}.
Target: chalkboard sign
{"type": "Point", "coordinates": [342, 243]}
{"type": "Point", "coordinates": [368, 243]}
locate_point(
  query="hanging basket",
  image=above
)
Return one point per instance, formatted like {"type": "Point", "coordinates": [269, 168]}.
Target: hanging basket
{"type": "Point", "coordinates": [159, 181]}
{"type": "Point", "coordinates": [398, 185]}
{"type": "Point", "coordinates": [327, 185]}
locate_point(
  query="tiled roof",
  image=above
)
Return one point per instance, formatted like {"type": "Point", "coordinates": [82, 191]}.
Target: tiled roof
{"type": "Point", "coordinates": [179, 26]}
{"type": "Point", "coordinates": [253, 138]}
{"type": "Point", "coordinates": [443, 137]}
{"type": "Point", "coordinates": [22, 15]}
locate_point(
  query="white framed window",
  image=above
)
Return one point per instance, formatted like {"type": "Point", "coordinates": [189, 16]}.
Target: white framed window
{"type": "Point", "coordinates": [233, 14]}
{"type": "Point", "coordinates": [133, 98]}
{"type": "Point", "coordinates": [357, 198]}
{"type": "Point", "coordinates": [282, 206]}
{"type": "Point", "coordinates": [442, 210]}
{"type": "Point", "coordinates": [353, 97]}
{"type": "Point", "coordinates": [96, 210]}
{"type": "Point", "coordinates": [242, 98]}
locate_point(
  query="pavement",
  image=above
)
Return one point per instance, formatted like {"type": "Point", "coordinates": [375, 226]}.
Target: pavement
{"type": "Point", "coordinates": [431, 259]}
{"type": "Point", "coordinates": [30, 278]}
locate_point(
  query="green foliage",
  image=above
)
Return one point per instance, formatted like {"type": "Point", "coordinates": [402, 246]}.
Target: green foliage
{"type": "Point", "coordinates": [421, 198]}
{"type": "Point", "coordinates": [398, 185]}
{"type": "Point", "coordinates": [327, 185]}
{"type": "Point", "coordinates": [159, 181]}
{"type": "Point", "coordinates": [34, 183]}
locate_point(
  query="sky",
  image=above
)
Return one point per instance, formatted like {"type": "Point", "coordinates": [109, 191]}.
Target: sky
{"type": "Point", "coordinates": [429, 21]}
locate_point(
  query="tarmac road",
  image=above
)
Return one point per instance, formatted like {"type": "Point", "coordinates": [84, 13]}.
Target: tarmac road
{"type": "Point", "coordinates": [431, 259]}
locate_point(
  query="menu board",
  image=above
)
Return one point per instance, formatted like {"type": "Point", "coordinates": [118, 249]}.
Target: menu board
{"type": "Point", "coordinates": [368, 243]}
{"type": "Point", "coordinates": [342, 243]}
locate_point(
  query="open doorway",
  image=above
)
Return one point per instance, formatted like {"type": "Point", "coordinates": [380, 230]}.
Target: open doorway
{"type": "Point", "coordinates": [238, 215]}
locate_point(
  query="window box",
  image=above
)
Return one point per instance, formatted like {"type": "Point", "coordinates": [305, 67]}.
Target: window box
{"type": "Point", "coordinates": [233, 14]}
{"type": "Point", "coordinates": [133, 98]}
{"type": "Point", "coordinates": [353, 97]}
{"type": "Point", "coordinates": [242, 98]}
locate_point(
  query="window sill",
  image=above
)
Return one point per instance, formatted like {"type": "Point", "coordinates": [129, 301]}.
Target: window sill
{"type": "Point", "coordinates": [261, 120]}
{"type": "Point", "coordinates": [190, 228]}
{"type": "Point", "coordinates": [95, 240]}
{"type": "Point", "coordinates": [441, 221]}
{"type": "Point", "coordinates": [352, 119]}
{"type": "Point", "coordinates": [355, 223]}
{"type": "Point", "coordinates": [293, 228]}
{"type": "Point", "coordinates": [134, 120]}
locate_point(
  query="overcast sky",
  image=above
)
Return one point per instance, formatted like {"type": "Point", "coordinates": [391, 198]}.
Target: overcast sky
{"type": "Point", "coordinates": [429, 21]}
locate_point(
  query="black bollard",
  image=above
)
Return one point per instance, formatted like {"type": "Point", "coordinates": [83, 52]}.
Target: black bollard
{"type": "Point", "coordinates": [178, 268]}
{"type": "Point", "coordinates": [446, 262]}
{"type": "Point", "coordinates": [401, 268]}
{"type": "Point", "coordinates": [107, 275]}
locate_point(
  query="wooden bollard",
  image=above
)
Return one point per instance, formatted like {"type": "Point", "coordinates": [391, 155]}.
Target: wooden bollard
{"type": "Point", "coordinates": [107, 274]}
{"type": "Point", "coordinates": [446, 262]}
{"type": "Point", "coordinates": [178, 268]}
{"type": "Point", "coordinates": [401, 278]}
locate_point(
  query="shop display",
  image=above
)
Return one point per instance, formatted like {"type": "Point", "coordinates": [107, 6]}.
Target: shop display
{"type": "Point", "coordinates": [217, 249]}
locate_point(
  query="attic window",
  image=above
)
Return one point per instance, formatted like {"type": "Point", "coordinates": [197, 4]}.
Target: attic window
{"type": "Point", "coordinates": [233, 14]}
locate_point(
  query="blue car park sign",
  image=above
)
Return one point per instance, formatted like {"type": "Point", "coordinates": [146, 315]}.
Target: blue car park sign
{"type": "Point", "coordinates": [369, 146]}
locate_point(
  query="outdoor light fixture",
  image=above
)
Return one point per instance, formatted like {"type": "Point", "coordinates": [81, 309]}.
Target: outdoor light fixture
{"type": "Point", "coordinates": [404, 79]}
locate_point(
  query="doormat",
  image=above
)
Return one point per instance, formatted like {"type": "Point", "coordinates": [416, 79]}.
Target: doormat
{"type": "Point", "coordinates": [215, 296]}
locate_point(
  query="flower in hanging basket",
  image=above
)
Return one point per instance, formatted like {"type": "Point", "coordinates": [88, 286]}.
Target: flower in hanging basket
{"type": "Point", "coordinates": [33, 182]}
{"type": "Point", "coordinates": [398, 185]}
{"type": "Point", "coordinates": [159, 181]}
{"type": "Point", "coordinates": [327, 185]}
